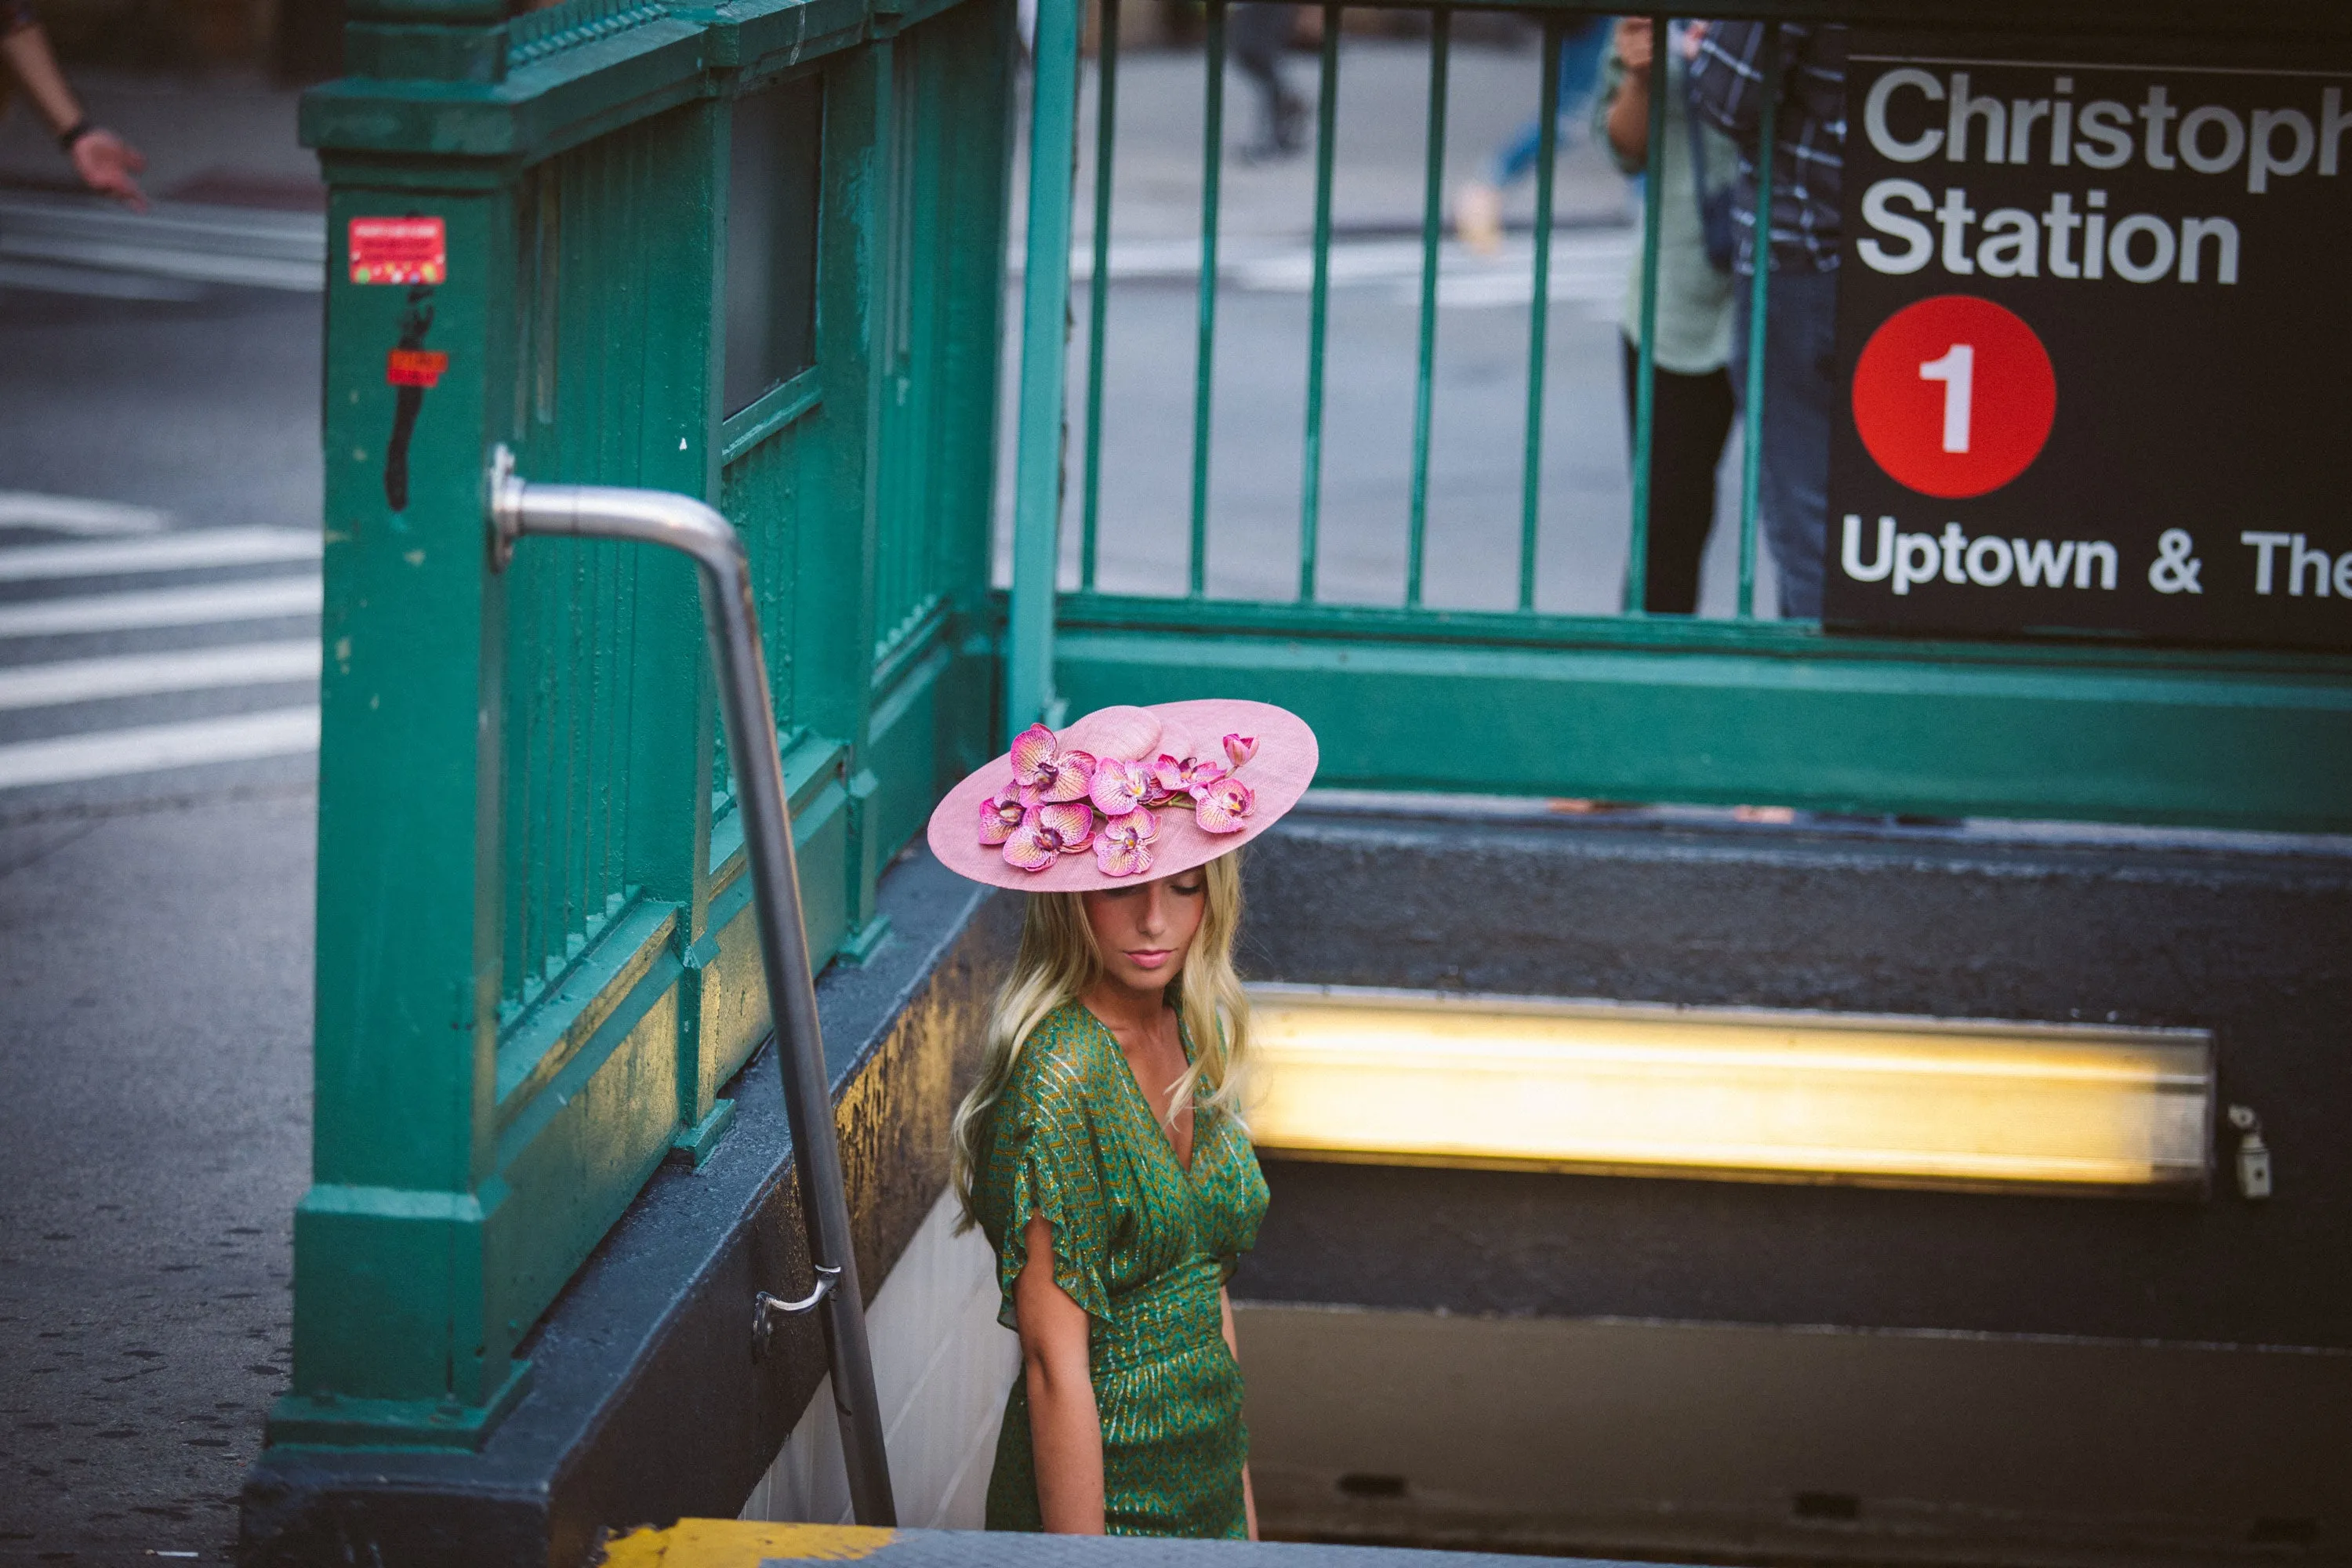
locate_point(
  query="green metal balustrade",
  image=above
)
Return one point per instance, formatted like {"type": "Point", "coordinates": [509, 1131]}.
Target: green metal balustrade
{"type": "Point", "coordinates": [1631, 706]}
{"type": "Point", "coordinates": [536, 966]}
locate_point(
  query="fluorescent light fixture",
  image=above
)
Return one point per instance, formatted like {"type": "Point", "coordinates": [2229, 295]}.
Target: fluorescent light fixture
{"type": "Point", "coordinates": [1444, 1078]}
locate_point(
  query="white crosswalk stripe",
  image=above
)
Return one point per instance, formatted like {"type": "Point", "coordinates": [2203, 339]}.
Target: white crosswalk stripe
{"type": "Point", "coordinates": [71, 514]}
{"type": "Point", "coordinates": [267, 600]}
{"type": "Point", "coordinates": [123, 706]}
{"type": "Point", "coordinates": [147, 748]}
{"type": "Point", "coordinates": [155, 674]}
{"type": "Point", "coordinates": [159, 553]}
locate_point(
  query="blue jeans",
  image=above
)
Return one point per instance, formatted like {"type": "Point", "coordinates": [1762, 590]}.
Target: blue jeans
{"type": "Point", "coordinates": [1579, 67]}
{"type": "Point", "coordinates": [1800, 395]}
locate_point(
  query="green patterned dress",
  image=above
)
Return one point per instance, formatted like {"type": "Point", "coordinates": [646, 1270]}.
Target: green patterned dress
{"type": "Point", "coordinates": [1144, 1246]}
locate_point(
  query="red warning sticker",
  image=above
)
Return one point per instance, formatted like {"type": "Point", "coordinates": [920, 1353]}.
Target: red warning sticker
{"type": "Point", "coordinates": [415, 367]}
{"type": "Point", "coordinates": [399, 250]}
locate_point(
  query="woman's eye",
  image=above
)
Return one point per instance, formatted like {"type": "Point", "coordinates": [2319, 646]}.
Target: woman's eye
{"type": "Point", "coordinates": [1190, 892]}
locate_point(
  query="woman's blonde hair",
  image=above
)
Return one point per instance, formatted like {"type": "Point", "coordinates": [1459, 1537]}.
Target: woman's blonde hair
{"type": "Point", "coordinates": [1058, 960]}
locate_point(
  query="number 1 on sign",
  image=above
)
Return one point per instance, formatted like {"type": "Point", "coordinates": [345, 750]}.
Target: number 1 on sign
{"type": "Point", "coordinates": [1958, 370]}
{"type": "Point", "coordinates": [1957, 375]}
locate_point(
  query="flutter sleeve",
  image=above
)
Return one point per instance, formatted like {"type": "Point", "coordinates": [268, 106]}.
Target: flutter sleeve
{"type": "Point", "coordinates": [1046, 1160]}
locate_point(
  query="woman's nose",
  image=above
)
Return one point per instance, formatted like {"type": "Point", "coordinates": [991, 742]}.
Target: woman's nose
{"type": "Point", "coordinates": [1152, 919]}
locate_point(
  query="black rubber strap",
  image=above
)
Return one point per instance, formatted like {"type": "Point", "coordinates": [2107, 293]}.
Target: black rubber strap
{"type": "Point", "coordinates": [73, 133]}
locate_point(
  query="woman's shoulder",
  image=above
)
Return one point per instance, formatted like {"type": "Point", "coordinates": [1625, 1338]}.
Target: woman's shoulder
{"type": "Point", "coordinates": [1061, 1067]}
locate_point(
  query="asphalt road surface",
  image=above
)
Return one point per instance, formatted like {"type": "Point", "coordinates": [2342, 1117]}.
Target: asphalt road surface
{"type": "Point", "coordinates": [154, 920]}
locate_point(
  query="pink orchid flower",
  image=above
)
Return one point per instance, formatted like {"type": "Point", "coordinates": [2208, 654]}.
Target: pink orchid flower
{"type": "Point", "coordinates": [1057, 828]}
{"type": "Point", "coordinates": [1189, 776]}
{"type": "Point", "coordinates": [1239, 749]}
{"type": "Point", "coordinates": [1123, 848]}
{"type": "Point", "coordinates": [999, 813]}
{"type": "Point", "coordinates": [1121, 786]}
{"type": "Point", "coordinates": [1223, 806]}
{"type": "Point", "coordinates": [1039, 764]}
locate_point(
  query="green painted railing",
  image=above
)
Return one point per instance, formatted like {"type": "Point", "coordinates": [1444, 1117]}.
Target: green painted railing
{"type": "Point", "coordinates": [536, 967]}
{"type": "Point", "coordinates": [1632, 706]}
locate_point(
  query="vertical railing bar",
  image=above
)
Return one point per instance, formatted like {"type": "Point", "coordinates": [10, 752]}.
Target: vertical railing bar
{"type": "Point", "coordinates": [517, 757]}
{"type": "Point", "coordinates": [1327, 119]}
{"type": "Point", "coordinates": [1099, 285]}
{"type": "Point", "coordinates": [1540, 309]}
{"type": "Point", "coordinates": [591, 728]}
{"type": "Point", "coordinates": [1212, 159]}
{"type": "Point", "coordinates": [1044, 350]}
{"type": "Point", "coordinates": [1751, 419]}
{"type": "Point", "coordinates": [1645, 374]}
{"type": "Point", "coordinates": [1433, 212]}
{"type": "Point", "coordinates": [539, 765]}
{"type": "Point", "coordinates": [617, 875]}
{"type": "Point", "coordinates": [577, 698]}
{"type": "Point", "coordinates": [548, 693]}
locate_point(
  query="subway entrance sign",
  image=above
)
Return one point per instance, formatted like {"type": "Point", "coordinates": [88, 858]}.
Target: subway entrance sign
{"type": "Point", "coordinates": [2098, 346]}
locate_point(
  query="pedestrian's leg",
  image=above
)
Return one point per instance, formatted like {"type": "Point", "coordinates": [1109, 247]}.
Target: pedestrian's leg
{"type": "Point", "coordinates": [1799, 394]}
{"type": "Point", "coordinates": [1689, 416]}
{"type": "Point", "coordinates": [1517, 154]}
{"type": "Point", "coordinates": [1255, 34]}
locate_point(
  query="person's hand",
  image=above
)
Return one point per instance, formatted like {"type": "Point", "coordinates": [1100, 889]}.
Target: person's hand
{"type": "Point", "coordinates": [1635, 46]}
{"type": "Point", "coordinates": [1693, 35]}
{"type": "Point", "coordinates": [105, 163]}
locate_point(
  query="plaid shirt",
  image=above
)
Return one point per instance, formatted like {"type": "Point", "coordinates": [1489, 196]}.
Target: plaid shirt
{"type": "Point", "coordinates": [1726, 83]}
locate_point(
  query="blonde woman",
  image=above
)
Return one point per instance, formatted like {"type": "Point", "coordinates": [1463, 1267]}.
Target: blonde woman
{"type": "Point", "coordinates": [1101, 1151]}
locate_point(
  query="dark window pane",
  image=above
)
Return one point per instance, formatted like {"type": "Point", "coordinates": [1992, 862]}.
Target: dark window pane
{"type": "Point", "coordinates": [772, 212]}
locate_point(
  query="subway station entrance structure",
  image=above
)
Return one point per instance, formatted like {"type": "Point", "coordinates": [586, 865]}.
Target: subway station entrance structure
{"type": "Point", "coordinates": [756, 254]}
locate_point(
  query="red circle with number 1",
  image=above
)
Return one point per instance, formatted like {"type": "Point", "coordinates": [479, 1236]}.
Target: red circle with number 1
{"type": "Point", "coordinates": [1954, 395]}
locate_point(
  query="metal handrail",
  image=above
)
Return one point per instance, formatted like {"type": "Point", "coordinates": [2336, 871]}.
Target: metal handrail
{"type": "Point", "coordinates": [732, 620]}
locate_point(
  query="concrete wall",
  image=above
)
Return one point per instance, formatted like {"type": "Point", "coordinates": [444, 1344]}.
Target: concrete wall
{"type": "Point", "coordinates": [1738, 1371]}
{"type": "Point", "coordinates": [1699, 1442]}
{"type": "Point", "coordinates": [942, 1364]}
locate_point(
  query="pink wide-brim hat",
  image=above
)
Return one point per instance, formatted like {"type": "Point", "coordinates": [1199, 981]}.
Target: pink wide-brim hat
{"type": "Point", "coordinates": [1089, 799]}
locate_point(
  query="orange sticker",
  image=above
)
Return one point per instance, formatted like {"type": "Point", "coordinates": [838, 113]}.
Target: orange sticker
{"type": "Point", "coordinates": [415, 367]}
{"type": "Point", "coordinates": [399, 250]}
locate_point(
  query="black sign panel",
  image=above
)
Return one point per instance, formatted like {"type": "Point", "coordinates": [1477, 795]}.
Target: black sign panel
{"type": "Point", "coordinates": [2095, 318]}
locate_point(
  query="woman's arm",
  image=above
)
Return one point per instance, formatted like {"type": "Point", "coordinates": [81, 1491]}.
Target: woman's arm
{"type": "Point", "coordinates": [1629, 110]}
{"type": "Point", "coordinates": [105, 162]}
{"type": "Point", "coordinates": [1064, 1427]}
{"type": "Point", "coordinates": [1249, 1498]}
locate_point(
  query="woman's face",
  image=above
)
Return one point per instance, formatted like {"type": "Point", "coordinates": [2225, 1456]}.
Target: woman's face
{"type": "Point", "coordinates": [1144, 930]}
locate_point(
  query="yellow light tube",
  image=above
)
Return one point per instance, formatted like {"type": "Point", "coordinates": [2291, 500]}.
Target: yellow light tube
{"type": "Point", "coordinates": [1434, 1078]}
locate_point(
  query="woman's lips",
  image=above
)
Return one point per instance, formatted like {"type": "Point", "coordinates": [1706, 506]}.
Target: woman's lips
{"type": "Point", "coordinates": [1148, 957]}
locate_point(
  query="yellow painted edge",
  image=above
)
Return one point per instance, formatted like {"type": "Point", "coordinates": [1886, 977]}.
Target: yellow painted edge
{"type": "Point", "coordinates": [743, 1544]}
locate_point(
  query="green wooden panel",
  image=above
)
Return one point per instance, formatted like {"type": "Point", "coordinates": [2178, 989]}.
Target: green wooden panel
{"type": "Point", "coordinates": [734, 992]}
{"type": "Point", "coordinates": [537, 965]}
{"type": "Point", "coordinates": [389, 1287]}
{"type": "Point", "coordinates": [579, 1152]}
{"type": "Point", "coordinates": [903, 745]}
